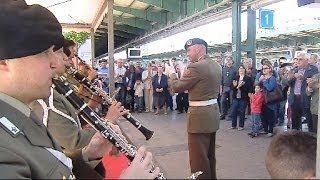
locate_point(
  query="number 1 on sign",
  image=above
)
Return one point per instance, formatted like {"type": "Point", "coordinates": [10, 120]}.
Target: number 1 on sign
{"type": "Point", "coordinates": [267, 19]}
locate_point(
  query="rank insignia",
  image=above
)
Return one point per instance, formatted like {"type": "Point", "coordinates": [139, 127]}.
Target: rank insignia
{"type": "Point", "coordinates": [189, 42]}
{"type": "Point", "coordinates": [9, 126]}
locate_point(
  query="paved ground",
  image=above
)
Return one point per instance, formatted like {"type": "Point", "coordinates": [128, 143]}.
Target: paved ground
{"type": "Point", "coordinates": [238, 156]}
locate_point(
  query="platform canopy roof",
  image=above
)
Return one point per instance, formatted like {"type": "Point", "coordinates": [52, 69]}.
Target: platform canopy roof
{"type": "Point", "coordinates": [139, 21]}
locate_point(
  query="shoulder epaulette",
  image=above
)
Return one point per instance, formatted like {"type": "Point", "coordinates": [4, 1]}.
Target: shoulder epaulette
{"type": "Point", "coordinates": [9, 127]}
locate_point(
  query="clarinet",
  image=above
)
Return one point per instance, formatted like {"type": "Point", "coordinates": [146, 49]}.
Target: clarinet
{"type": "Point", "coordinates": [99, 125]}
{"type": "Point", "coordinates": [108, 100]}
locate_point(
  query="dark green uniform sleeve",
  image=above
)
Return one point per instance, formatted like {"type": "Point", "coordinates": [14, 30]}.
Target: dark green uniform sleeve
{"type": "Point", "coordinates": [12, 166]}
{"type": "Point", "coordinates": [66, 132]}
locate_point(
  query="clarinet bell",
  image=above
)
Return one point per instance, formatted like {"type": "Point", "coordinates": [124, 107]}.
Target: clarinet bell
{"type": "Point", "coordinates": [146, 132]}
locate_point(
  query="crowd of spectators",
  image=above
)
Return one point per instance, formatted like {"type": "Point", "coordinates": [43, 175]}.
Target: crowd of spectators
{"type": "Point", "coordinates": [145, 87]}
{"type": "Point", "coordinates": [246, 88]}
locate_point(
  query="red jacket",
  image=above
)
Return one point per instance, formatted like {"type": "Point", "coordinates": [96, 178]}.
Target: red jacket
{"type": "Point", "coordinates": [256, 102]}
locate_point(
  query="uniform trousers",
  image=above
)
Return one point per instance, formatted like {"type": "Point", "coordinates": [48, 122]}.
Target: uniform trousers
{"type": "Point", "coordinates": [202, 154]}
{"type": "Point", "coordinates": [182, 102]}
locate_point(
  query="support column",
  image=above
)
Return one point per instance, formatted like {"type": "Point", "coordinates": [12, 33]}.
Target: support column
{"type": "Point", "coordinates": [93, 62]}
{"type": "Point", "coordinates": [236, 32]}
{"type": "Point", "coordinates": [111, 46]}
{"type": "Point", "coordinates": [318, 147]}
{"type": "Point", "coordinates": [251, 35]}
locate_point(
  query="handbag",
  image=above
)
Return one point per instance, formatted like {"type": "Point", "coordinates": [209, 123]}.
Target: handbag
{"type": "Point", "coordinates": [275, 95]}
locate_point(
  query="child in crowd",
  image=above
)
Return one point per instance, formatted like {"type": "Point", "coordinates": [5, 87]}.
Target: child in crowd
{"type": "Point", "coordinates": [256, 102]}
{"type": "Point", "coordinates": [292, 155]}
{"type": "Point", "coordinates": [138, 94]}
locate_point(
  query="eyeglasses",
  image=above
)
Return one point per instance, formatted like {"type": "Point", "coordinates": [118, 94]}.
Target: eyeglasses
{"type": "Point", "coordinates": [265, 68]}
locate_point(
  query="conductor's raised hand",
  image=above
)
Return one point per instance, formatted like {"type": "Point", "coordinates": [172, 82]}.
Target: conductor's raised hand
{"type": "Point", "coordinates": [140, 167]}
{"type": "Point", "coordinates": [170, 70]}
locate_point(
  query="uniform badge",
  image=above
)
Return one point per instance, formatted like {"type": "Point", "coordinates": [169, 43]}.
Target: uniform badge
{"type": "Point", "coordinates": [10, 127]}
{"type": "Point", "coordinates": [189, 42]}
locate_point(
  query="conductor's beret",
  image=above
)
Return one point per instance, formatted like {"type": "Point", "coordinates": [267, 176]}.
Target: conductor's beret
{"type": "Point", "coordinates": [194, 41]}
{"type": "Point", "coordinates": [27, 29]}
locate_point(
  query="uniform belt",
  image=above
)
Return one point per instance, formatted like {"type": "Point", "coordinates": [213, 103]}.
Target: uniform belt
{"type": "Point", "coordinates": [203, 103]}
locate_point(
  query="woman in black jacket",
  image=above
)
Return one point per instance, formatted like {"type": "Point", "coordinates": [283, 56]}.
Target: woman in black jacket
{"type": "Point", "coordinates": [242, 85]}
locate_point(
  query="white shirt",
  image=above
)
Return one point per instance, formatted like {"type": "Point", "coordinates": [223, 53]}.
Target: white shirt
{"type": "Point", "coordinates": [119, 72]}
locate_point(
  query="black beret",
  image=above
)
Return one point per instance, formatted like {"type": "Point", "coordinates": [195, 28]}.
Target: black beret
{"type": "Point", "coordinates": [27, 29]}
{"type": "Point", "coordinates": [68, 43]}
{"type": "Point", "coordinates": [194, 41]}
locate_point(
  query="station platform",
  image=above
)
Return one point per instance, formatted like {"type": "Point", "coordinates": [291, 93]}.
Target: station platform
{"type": "Point", "coordinates": [238, 156]}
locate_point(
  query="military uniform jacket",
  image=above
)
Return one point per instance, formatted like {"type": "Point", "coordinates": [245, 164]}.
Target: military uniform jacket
{"type": "Point", "coordinates": [22, 149]}
{"type": "Point", "coordinates": [202, 80]}
{"type": "Point", "coordinates": [65, 128]}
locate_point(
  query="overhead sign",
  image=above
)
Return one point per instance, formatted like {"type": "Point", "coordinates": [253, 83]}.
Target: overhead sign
{"type": "Point", "coordinates": [266, 18]}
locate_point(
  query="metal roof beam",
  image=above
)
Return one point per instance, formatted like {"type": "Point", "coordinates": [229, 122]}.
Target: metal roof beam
{"type": "Point", "coordinates": [100, 15]}
{"type": "Point", "coordinates": [169, 5]}
{"type": "Point", "coordinates": [273, 40]}
{"type": "Point", "coordinates": [134, 22]}
{"type": "Point", "coordinates": [104, 37]}
{"type": "Point", "coordinates": [213, 2]}
{"type": "Point", "coordinates": [117, 33]}
{"type": "Point", "coordinates": [264, 44]}
{"type": "Point", "coordinates": [218, 49]}
{"type": "Point", "coordinates": [144, 14]}
{"type": "Point", "coordinates": [294, 38]}
{"type": "Point", "coordinates": [124, 28]}
{"type": "Point", "coordinates": [310, 40]}
{"type": "Point", "coordinates": [118, 38]}
{"type": "Point", "coordinates": [315, 35]}
{"type": "Point", "coordinates": [78, 27]}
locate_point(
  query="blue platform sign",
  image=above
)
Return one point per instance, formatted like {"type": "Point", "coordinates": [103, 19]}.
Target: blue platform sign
{"type": "Point", "coordinates": [266, 18]}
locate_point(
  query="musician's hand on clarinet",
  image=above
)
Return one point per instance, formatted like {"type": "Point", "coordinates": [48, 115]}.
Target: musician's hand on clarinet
{"type": "Point", "coordinates": [92, 74]}
{"type": "Point", "coordinates": [115, 111]}
{"type": "Point", "coordinates": [140, 167]}
{"type": "Point", "coordinates": [116, 128]}
{"type": "Point", "coordinates": [95, 101]}
{"type": "Point", "coordinates": [99, 145]}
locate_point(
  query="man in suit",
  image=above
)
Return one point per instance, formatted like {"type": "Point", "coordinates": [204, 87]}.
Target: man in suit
{"type": "Point", "coordinates": [202, 79]}
{"type": "Point", "coordinates": [27, 149]}
{"type": "Point", "coordinates": [228, 74]}
{"type": "Point", "coordinates": [160, 90]}
{"type": "Point", "coordinates": [298, 98]}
